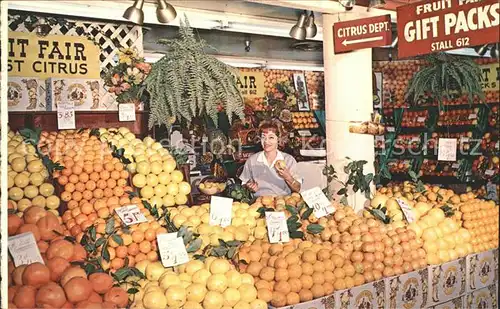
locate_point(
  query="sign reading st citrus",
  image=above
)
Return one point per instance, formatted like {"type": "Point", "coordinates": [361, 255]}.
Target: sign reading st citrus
{"type": "Point", "coordinates": [438, 25]}
{"type": "Point", "coordinates": [52, 56]}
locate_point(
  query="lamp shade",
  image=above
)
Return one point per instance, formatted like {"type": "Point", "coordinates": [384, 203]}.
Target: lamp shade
{"type": "Point", "coordinates": [311, 28]}
{"type": "Point", "coordinates": [376, 3]}
{"type": "Point", "coordinates": [134, 13]}
{"type": "Point", "coordinates": [298, 31]}
{"type": "Point", "coordinates": [165, 12]}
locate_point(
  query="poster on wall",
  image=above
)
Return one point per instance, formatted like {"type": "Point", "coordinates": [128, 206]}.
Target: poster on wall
{"type": "Point", "coordinates": [377, 89]}
{"type": "Point", "coordinates": [432, 26]}
{"type": "Point", "coordinates": [300, 86]}
{"type": "Point", "coordinates": [58, 56]}
{"type": "Point", "coordinates": [490, 76]}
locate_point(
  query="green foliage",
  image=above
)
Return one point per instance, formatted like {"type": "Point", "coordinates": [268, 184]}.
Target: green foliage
{"type": "Point", "coordinates": [444, 76]}
{"type": "Point", "coordinates": [180, 155]}
{"type": "Point", "coordinates": [188, 83]}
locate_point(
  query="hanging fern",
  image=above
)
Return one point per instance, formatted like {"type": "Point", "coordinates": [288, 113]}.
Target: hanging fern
{"type": "Point", "coordinates": [444, 76]}
{"type": "Point", "coordinates": [187, 83]}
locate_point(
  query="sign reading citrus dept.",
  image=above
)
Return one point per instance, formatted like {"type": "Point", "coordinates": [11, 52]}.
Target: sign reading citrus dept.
{"type": "Point", "coordinates": [251, 84]}
{"type": "Point", "coordinates": [438, 25]}
{"type": "Point", "coordinates": [362, 33]}
{"type": "Point", "coordinates": [52, 56]}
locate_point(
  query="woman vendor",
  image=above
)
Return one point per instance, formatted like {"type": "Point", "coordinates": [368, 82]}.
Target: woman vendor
{"type": "Point", "coordinates": [271, 172]}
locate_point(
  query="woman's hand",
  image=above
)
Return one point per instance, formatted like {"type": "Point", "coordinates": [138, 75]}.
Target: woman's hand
{"type": "Point", "coordinates": [284, 173]}
{"type": "Point", "coordinates": [252, 185]}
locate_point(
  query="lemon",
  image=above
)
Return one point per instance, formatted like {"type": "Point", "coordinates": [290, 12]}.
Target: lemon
{"type": "Point", "coordinates": [179, 220]}
{"type": "Point", "coordinates": [35, 166]}
{"type": "Point", "coordinates": [154, 300]}
{"type": "Point", "coordinates": [21, 180]}
{"type": "Point", "coordinates": [39, 201]}
{"type": "Point", "coordinates": [151, 180]}
{"type": "Point", "coordinates": [154, 271]}
{"type": "Point", "coordinates": [139, 180]}
{"type": "Point", "coordinates": [231, 297]}
{"type": "Point", "coordinates": [172, 189]}
{"type": "Point", "coordinates": [16, 194]}
{"type": "Point", "coordinates": [193, 266]}
{"type": "Point", "coordinates": [176, 296]}
{"type": "Point", "coordinates": [168, 200]}
{"type": "Point", "coordinates": [217, 283]}
{"type": "Point", "coordinates": [143, 167]}
{"type": "Point", "coordinates": [220, 266]}
{"type": "Point", "coordinates": [213, 300]}
{"type": "Point", "coordinates": [46, 189]}
{"type": "Point", "coordinates": [248, 292]}
{"type": "Point", "coordinates": [181, 199]}
{"type": "Point", "coordinates": [156, 166]}
{"type": "Point", "coordinates": [36, 179]}
{"type": "Point", "coordinates": [164, 178]}
{"type": "Point", "coordinates": [169, 166]}
{"type": "Point", "coordinates": [192, 305]}
{"type": "Point", "coordinates": [247, 279]}
{"type": "Point", "coordinates": [52, 202]}
{"type": "Point", "coordinates": [258, 304]}
{"type": "Point", "coordinates": [141, 266]}
{"type": "Point", "coordinates": [147, 192]}
{"type": "Point", "coordinates": [24, 203]}
{"type": "Point", "coordinates": [160, 190]}
{"type": "Point", "coordinates": [196, 292]}
{"type": "Point", "coordinates": [242, 305]}
{"type": "Point", "coordinates": [233, 279]}
{"type": "Point", "coordinates": [201, 276]}
{"type": "Point", "coordinates": [184, 188]}
{"type": "Point", "coordinates": [156, 201]}
{"type": "Point", "coordinates": [18, 164]}
{"type": "Point", "coordinates": [169, 280]}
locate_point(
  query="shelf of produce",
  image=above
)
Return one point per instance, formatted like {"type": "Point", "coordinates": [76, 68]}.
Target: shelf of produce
{"type": "Point", "coordinates": [83, 119]}
{"type": "Point", "coordinates": [433, 179]}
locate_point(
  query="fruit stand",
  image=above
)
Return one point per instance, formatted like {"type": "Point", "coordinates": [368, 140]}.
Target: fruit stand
{"type": "Point", "coordinates": [103, 212]}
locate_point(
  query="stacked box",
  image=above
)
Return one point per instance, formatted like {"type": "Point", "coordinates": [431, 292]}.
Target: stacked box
{"type": "Point", "coordinates": [370, 295]}
{"type": "Point", "coordinates": [482, 298]}
{"type": "Point", "coordinates": [456, 303]}
{"type": "Point", "coordinates": [407, 291]}
{"type": "Point", "coordinates": [326, 302]}
{"type": "Point", "coordinates": [85, 94]}
{"type": "Point", "coordinates": [25, 94]}
{"type": "Point", "coordinates": [446, 281]}
{"type": "Point", "coordinates": [482, 270]}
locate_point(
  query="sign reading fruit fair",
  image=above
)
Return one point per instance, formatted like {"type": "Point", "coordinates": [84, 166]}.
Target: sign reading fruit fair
{"type": "Point", "coordinates": [438, 25]}
{"type": "Point", "coordinates": [362, 33]}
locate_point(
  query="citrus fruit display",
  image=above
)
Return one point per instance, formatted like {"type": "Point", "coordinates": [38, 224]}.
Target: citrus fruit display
{"type": "Point", "coordinates": [154, 169]}
{"type": "Point", "coordinates": [480, 218]}
{"type": "Point", "coordinates": [210, 284]}
{"type": "Point", "coordinates": [28, 177]}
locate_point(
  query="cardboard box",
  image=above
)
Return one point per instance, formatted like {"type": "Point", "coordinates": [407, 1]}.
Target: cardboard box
{"type": "Point", "coordinates": [446, 281]}
{"type": "Point", "coordinates": [25, 94]}
{"type": "Point", "coordinates": [456, 303]}
{"type": "Point", "coordinates": [326, 302]}
{"type": "Point", "coordinates": [84, 93]}
{"type": "Point", "coordinates": [408, 291]}
{"type": "Point", "coordinates": [482, 299]}
{"type": "Point", "coordinates": [482, 270]}
{"type": "Point", "coordinates": [370, 295]}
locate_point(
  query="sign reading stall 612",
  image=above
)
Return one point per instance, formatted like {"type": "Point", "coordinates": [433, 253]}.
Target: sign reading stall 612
{"type": "Point", "coordinates": [438, 25]}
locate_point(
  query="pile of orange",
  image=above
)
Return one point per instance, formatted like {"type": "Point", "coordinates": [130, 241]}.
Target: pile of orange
{"type": "Point", "coordinates": [481, 219]}
{"type": "Point", "coordinates": [354, 251]}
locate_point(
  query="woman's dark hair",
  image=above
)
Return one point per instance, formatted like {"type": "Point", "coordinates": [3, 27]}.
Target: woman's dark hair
{"type": "Point", "coordinates": [267, 125]}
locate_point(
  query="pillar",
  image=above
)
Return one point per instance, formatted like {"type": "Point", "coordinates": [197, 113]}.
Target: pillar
{"type": "Point", "coordinates": [348, 97]}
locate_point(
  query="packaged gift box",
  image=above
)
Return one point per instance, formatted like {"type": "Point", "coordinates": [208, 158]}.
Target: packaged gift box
{"type": "Point", "coordinates": [25, 94]}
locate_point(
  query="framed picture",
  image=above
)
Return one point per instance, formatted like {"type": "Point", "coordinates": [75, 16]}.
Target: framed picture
{"type": "Point", "coordinates": [299, 81]}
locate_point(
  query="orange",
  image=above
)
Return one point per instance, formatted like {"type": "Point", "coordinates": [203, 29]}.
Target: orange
{"type": "Point", "coordinates": [140, 257]}
{"type": "Point", "coordinates": [111, 183]}
{"type": "Point", "coordinates": [124, 174]}
{"type": "Point", "coordinates": [109, 166]}
{"type": "Point", "coordinates": [85, 224]}
{"type": "Point", "coordinates": [90, 185]}
{"type": "Point", "coordinates": [124, 200]}
{"type": "Point", "coordinates": [98, 167]}
{"type": "Point", "coordinates": [66, 196]}
{"type": "Point", "coordinates": [121, 251]}
{"type": "Point", "coordinates": [108, 192]}
{"type": "Point", "coordinates": [103, 212]}
{"type": "Point", "coordinates": [80, 187]}
{"type": "Point", "coordinates": [70, 223]}
{"type": "Point", "coordinates": [115, 175]}
{"type": "Point", "coordinates": [118, 166]}
{"type": "Point", "coordinates": [75, 230]}
{"type": "Point", "coordinates": [145, 246]}
{"type": "Point", "coordinates": [77, 170]}
{"type": "Point", "coordinates": [87, 208]}
{"type": "Point", "coordinates": [84, 177]}
{"type": "Point", "coordinates": [101, 184]}
{"type": "Point", "coordinates": [152, 256]}
{"type": "Point", "coordinates": [73, 178]}
{"type": "Point", "coordinates": [133, 249]}
{"type": "Point", "coordinates": [94, 176]}
{"type": "Point", "coordinates": [92, 217]}
{"type": "Point", "coordinates": [161, 230]}
{"type": "Point", "coordinates": [80, 218]}
{"type": "Point", "coordinates": [131, 261]}
{"type": "Point", "coordinates": [121, 182]}
{"type": "Point", "coordinates": [77, 196]}
{"type": "Point", "coordinates": [72, 204]}
{"type": "Point", "coordinates": [70, 187]}
{"type": "Point", "coordinates": [150, 234]}
{"type": "Point", "coordinates": [98, 193]}
{"type": "Point", "coordinates": [88, 168]}
{"type": "Point", "coordinates": [62, 180]}
{"type": "Point", "coordinates": [118, 191]}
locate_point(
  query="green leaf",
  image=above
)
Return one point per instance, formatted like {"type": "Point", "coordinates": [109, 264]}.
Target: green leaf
{"type": "Point", "coordinates": [315, 228]}
{"type": "Point", "coordinates": [344, 201]}
{"type": "Point", "coordinates": [307, 214]}
{"type": "Point", "coordinates": [231, 252]}
{"type": "Point", "coordinates": [291, 209]}
{"type": "Point", "coordinates": [105, 253]}
{"type": "Point", "coordinates": [92, 232]}
{"type": "Point", "coordinates": [132, 291]}
{"type": "Point", "coordinates": [121, 274]}
{"type": "Point", "coordinates": [342, 191]}
{"type": "Point", "coordinates": [100, 242]}
{"type": "Point", "coordinates": [117, 238]}
{"type": "Point", "coordinates": [110, 226]}
{"type": "Point", "coordinates": [222, 243]}
{"type": "Point", "coordinates": [199, 257]}
{"type": "Point", "coordinates": [233, 243]}
{"type": "Point", "coordinates": [296, 235]}
{"type": "Point", "coordinates": [194, 246]}
{"type": "Point", "coordinates": [89, 269]}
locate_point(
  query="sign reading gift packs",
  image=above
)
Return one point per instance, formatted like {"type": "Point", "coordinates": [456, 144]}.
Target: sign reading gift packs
{"type": "Point", "coordinates": [490, 76]}
{"type": "Point", "coordinates": [431, 26]}
{"type": "Point", "coordinates": [60, 56]}
{"type": "Point", "coordinates": [362, 33]}
{"type": "Point", "coordinates": [251, 84]}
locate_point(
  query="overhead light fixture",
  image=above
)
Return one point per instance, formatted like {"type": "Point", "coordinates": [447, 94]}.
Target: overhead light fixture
{"type": "Point", "coordinates": [311, 28]}
{"type": "Point", "coordinates": [481, 50]}
{"type": "Point", "coordinates": [347, 4]}
{"type": "Point", "coordinates": [376, 4]}
{"type": "Point", "coordinates": [298, 31]}
{"type": "Point", "coordinates": [165, 12]}
{"type": "Point", "coordinates": [494, 52]}
{"type": "Point", "coordinates": [135, 13]}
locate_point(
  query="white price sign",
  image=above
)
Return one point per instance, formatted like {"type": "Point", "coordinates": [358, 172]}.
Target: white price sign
{"type": "Point", "coordinates": [172, 249]}
{"type": "Point", "coordinates": [317, 200]}
{"type": "Point", "coordinates": [464, 139]}
{"type": "Point", "coordinates": [447, 150]}
{"type": "Point", "coordinates": [277, 229]}
{"type": "Point", "coordinates": [130, 214]}
{"type": "Point", "coordinates": [24, 249]}
{"type": "Point", "coordinates": [221, 211]}
{"type": "Point", "coordinates": [472, 116]}
{"type": "Point", "coordinates": [66, 116]}
{"type": "Point", "coordinates": [489, 172]}
{"type": "Point", "coordinates": [455, 165]}
{"type": "Point", "coordinates": [407, 211]}
{"type": "Point", "coordinates": [304, 133]}
{"type": "Point", "coordinates": [126, 112]}
{"type": "Point", "coordinates": [391, 129]}
{"type": "Point", "coordinates": [421, 119]}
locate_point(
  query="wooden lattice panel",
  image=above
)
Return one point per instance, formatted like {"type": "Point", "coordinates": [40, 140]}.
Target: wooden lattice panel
{"type": "Point", "coordinates": [108, 36]}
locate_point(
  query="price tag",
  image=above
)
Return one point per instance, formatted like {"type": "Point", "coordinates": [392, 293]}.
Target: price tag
{"type": "Point", "coordinates": [277, 229]}
{"type": "Point", "coordinates": [472, 116]}
{"type": "Point", "coordinates": [172, 249]}
{"type": "Point", "coordinates": [391, 129]}
{"type": "Point", "coordinates": [447, 149]}
{"type": "Point", "coordinates": [380, 138]}
{"type": "Point", "coordinates": [130, 215]}
{"type": "Point", "coordinates": [464, 139]}
{"type": "Point", "coordinates": [407, 211]}
{"type": "Point", "coordinates": [304, 133]}
{"type": "Point", "coordinates": [291, 135]}
{"type": "Point", "coordinates": [421, 119]}
{"type": "Point", "coordinates": [126, 112]}
{"type": "Point", "coordinates": [455, 165]}
{"type": "Point", "coordinates": [24, 249]}
{"type": "Point", "coordinates": [317, 200]}
{"type": "Point", "coordinates": [415, 139]}
{"type": "Point", "coordinates": [221, 209]}
{"type": "Point", "coordinates": [491, 191]}
{"type": "Point", "coordinates": [489, 172]}
{"type": "Point", "coordinates": [66, 116]}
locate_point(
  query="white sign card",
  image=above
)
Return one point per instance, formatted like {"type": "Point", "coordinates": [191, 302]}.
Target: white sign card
{"type": "Point", "coordinates": [221, 211]}
{"type": "Point", "coordinates": [491, 191]}
{"type": "Point", "coordinates": [391, 129]}
{"type": "Point", "coordinates": [130, 214]}
{"type": "Point", "coordinates": [24, 249]}
{"type": "Point", "coordinates": [407, 211]}
{"type": "Point", "coordinates": [472, 116]}
{"type": "Point", "coordinates": [126, 112]}
{"type": "Point", "coordinates": [172, 249]}
{"type": "Point", "coordinates": [489, 172]}
{"type": "Point", "coordinates": [66, 116]}
{"type": "Point", "coordinates": [317, 200]}
{"type": "Point", "coordinates": [277, 229]}
{"type": "Point", "coordinates": [421, 119]}
{"type": "Point", "coordinates": [447, 149]}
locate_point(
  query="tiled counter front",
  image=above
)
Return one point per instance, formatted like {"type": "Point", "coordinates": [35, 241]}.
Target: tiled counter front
{"type": "Point", "coordinates": [446, 281]}
{"type": "Point", "coordinates": [485, 298]}
{"type": "Point", "coordinates": [408, 291]}
{"type": "Point", "coordinates": [482, 270]}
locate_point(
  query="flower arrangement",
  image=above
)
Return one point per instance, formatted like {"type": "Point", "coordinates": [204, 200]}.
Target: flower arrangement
{"type": "Point", "coordinates": [125, 80]}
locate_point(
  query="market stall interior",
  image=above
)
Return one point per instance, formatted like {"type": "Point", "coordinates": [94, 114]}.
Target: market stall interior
{"type": "Point", "coordinates": [131, 125]}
